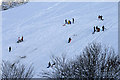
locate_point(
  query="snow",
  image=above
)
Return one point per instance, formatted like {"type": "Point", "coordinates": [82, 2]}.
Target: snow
{"type": "Point", "coordinates": [41, 25]}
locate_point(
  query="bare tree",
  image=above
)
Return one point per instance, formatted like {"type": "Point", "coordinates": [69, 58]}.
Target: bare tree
{"type": "Point", "coordinates": [12, 3]}
{"type": "Point", "coordinates": [96, 61]}
{"type": "Point", "coordinates": [16, 71]}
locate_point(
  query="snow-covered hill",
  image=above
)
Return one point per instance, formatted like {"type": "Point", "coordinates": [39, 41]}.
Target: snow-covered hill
{"type": "Point", "coordinates": [41, 25]}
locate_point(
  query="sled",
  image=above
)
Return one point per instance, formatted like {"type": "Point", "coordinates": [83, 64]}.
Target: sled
{"type": "Point", "coordinates": [19, 41]}
{"type": "Point", "coordinates": [102, 19]}
{"type": "Point", "coordinates": [22, 56]}
{"type": "Point", "coordinates": [93, 32]}
{"type": "Point", "coordinates": [64, 25]}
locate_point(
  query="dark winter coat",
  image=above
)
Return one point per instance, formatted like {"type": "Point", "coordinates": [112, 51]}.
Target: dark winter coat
{"type": "Point", "coordinates": [73, 20]}
{"type": "Point", "coordinates": [10, 49]}
{"type": "Point", "coordinates": [22, 38]}
{"type": "Point", "coordinates": [94, 29]}
{"type": "Point", "coordinates": [66, 21]}
{"type": "Point", "coordinates": [103, 28]}
{"type": "Point", "coordinates": [69, 40]}
{"type": "Point", "coordinates": [49, 65]}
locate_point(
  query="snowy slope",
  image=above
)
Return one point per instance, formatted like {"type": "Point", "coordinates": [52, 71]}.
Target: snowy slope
{"type": "Point", "coordinates": [40, 23]}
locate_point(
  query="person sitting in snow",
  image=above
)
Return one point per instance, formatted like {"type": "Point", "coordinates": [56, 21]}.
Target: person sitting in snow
{"type": "Point", "coordinates": [20, 40]}
{"type": "Point", "coordinates": [97, 29]}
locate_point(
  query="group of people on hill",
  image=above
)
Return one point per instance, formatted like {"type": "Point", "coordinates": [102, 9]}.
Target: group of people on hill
{"type": "Point", "coordinates": [19, 40]}
{"type": "Point", "coordinates": [69, 21]}
{"type": "Point", "coordinates": [50, 65]}
{"type": "Point", "coordinates": [96, 28]}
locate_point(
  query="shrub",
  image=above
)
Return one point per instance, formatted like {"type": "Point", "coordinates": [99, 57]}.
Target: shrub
{"type": "Point", "coordinates": [16, 71]}
{"type": "Point", "coordinates": [96, 61]}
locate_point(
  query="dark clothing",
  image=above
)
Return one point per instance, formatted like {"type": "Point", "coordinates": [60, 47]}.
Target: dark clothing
{"type": "Point", "coordinates": [52, 64]}
{"type": "Point", "coordinates": [66, 21]}
{"type": "Point", "coordinates": [22, 38]}
{"type": "Point", "coordinates": [94, 29]}
{"type": "Point", "coordinates": [73, 20]}
{"type": "Point", "coordinates": [19, 41]}
{"type": "Point", "coordinates": [98, 29]}
{"type": "Point", "coordinates": [69, 22]}
{"type": "Point", "coordinates": [69, 40]}
{"type": "Point", "coordinates": [10, 49]}
{"type": "Point", "coordinates": [100, 17]}
{"type": "Point", "coordinates": [103, 28]}
{"type": "Point", "coordinates": [49, 65]}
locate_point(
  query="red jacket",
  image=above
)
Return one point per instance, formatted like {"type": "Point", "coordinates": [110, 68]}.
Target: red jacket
{"type": "Point", "coordinates": [22, 38]}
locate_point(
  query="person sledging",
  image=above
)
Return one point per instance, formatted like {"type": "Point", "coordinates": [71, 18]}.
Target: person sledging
{"type": "Point", "coordinates": [20, 40]}
{"type": "Point", "coordinates": [65, 22]}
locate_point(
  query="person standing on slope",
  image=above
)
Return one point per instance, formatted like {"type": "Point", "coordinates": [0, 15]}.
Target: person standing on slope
{"type": "Point", "coordinates": [22, 38]}
{"type": "Point", "coordinates": [49, 65]}
{"type": "Point", "coordinates": [73, 20]}
{"type": "Point", "coordinates": [94, 29]}
{"type": "Point", "coordinates": [9, 48]}
{"type": "Point", "coordinates": [65, 21]}
{"type": "Point", "coordinates": [103, 28]}
{"type": "Point", "coordinates": [69, 40]}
